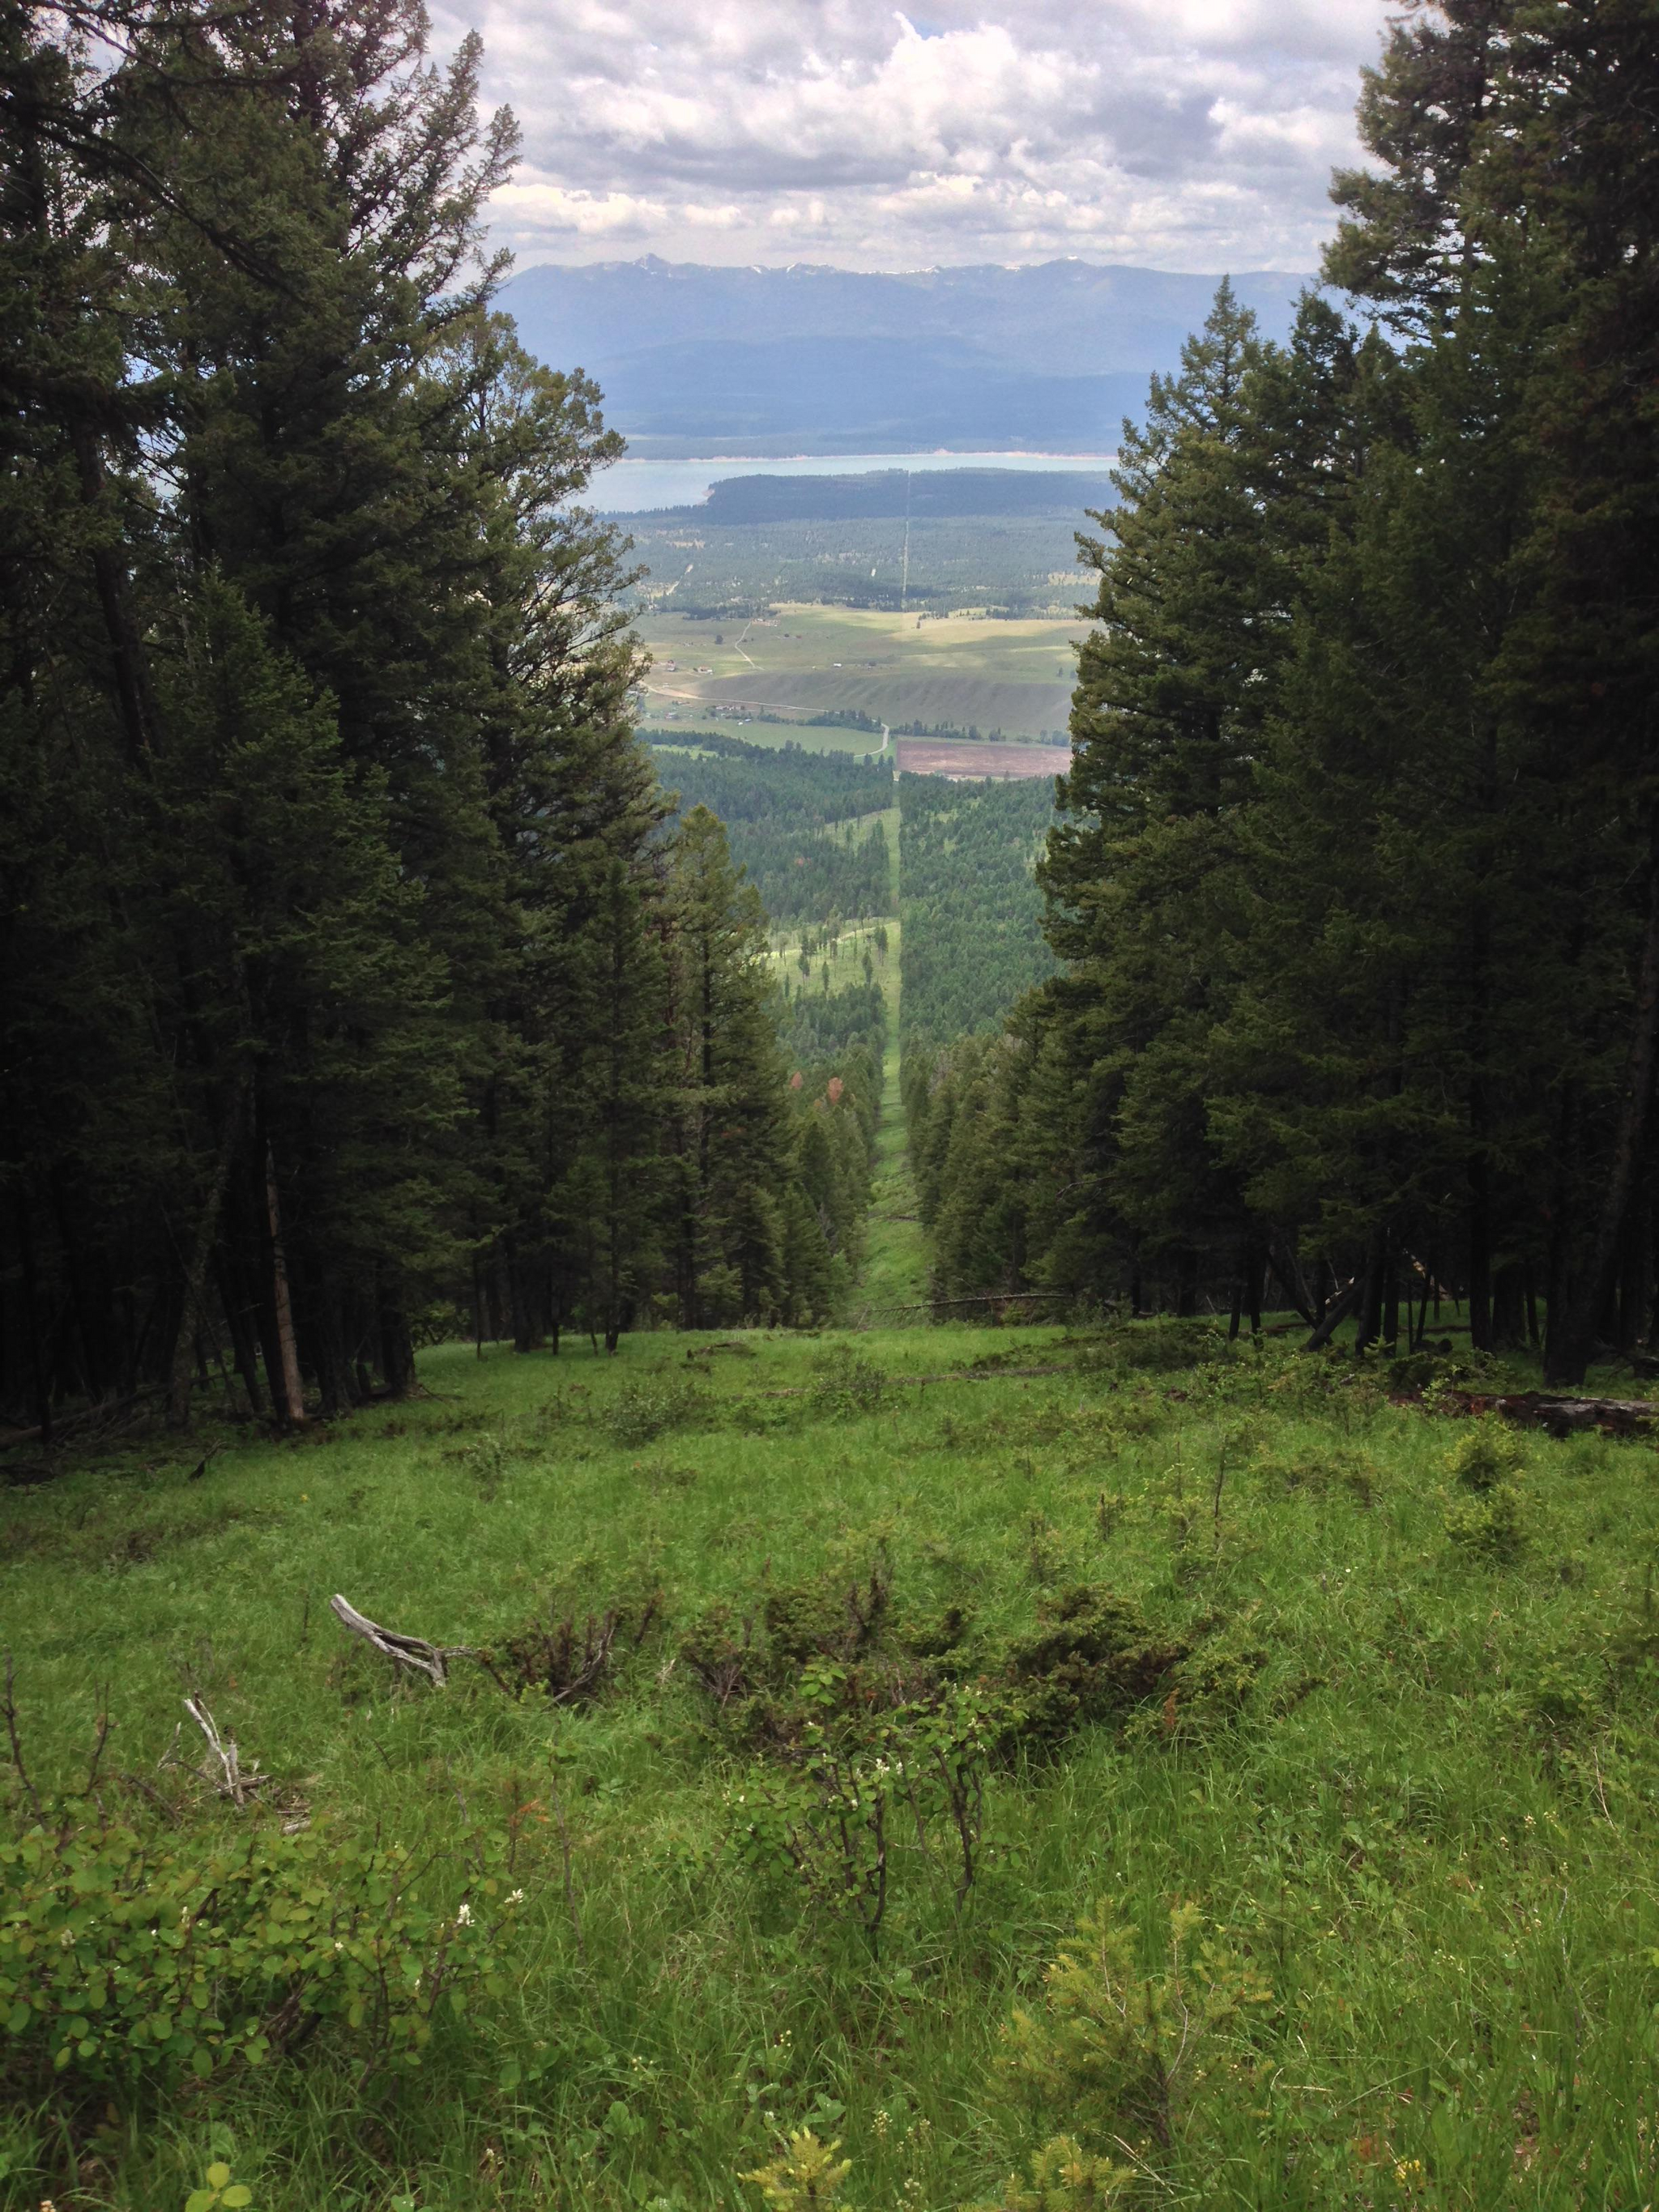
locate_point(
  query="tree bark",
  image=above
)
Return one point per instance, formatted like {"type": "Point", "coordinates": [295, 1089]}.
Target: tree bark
{"type": "Point", "coordinates": [286, 1386]}
{"type": "Point", "coordinates": [1569, 1353]}
{"type": "Point", "coordinates": [209, 1223]}
{"type": "Point", "coordinates": [1371, 1300]}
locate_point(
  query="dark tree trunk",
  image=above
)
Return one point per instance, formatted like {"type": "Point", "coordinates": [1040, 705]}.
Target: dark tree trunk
{"type": "Point", "coordinates": [233, 1299]}
{"type": "Point", "coordinates": [40, 1394]}
{"type": "Point", "coordinates": [1509, 1308]}
{"type": "Point", "coordinates": [209, 1227]}
{"type": "Point", "coordinates": [1370, 1296]}
{"type": "Point", "coordinates": [1568, 1352]}
{"type": "Point", "coordinates": [1391, 1301]}
{"type": "Point", "coordinates": [397, 1351]}
{"type": "Point", "coordinates": [1293, 1281]}
{"type": "Point", "coordinates": [1479, 1228]}
{"type": "Point", "coordinates": [287, 1390]}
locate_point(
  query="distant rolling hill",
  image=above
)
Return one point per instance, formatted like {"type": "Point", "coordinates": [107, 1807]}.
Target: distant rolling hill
{"type": "Point", "coordinates": [1046, 357]}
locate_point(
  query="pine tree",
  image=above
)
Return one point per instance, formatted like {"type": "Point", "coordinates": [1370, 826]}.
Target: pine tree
{"type": "Point", "coordinates": [729, 1141]}
{"type": "Point", "coordinates": [1219, 493]}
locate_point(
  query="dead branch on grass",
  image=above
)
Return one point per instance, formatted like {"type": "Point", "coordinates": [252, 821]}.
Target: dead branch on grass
{"type": "Point", "coordinates": [221, 1770]}
{"type": "Point", "coordinates": [413, 1653]}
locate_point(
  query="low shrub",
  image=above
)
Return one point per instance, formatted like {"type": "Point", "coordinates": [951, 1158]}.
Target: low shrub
{"type": "Point", "coordinates": [1065, 2178]}
{"type": "Point", "coordinates": [1489, 1452]}
{"type": "Point", "coordinates": [1490, 1526]}
{"type": "Point", "coordinates": [1118, 2052]}
{"type": "Point", "coordinates": [1092, 1656]}
{"type": "Point", "coordinates": [566, 1664]}
{"type": "Point", "coordinates": [822, 1812]}
{"type": "Point", "coordinates": [129, 1961]}
{"type": "Point", "coordinates": [1336, 1467]}
{"type": "Point", "coordinates": [807, 2173]}
{"type": "Point", "coordinates": [827, 1617]}
{"type": "Point", "coordinates": [1160, 1347]}
{"type": "Point", "coordinates": [845, 1385]}
{"type": "Point", "coordinates": [642, 1412]}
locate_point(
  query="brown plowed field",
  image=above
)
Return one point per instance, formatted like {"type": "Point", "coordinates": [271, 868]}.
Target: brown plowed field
{"type": "Point", "coordinates": [964, 762]}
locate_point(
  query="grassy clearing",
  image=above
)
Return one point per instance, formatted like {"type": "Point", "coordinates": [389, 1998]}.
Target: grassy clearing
{"type": "Point", "coordinates": [894, 1271]}
{"type": "Point", "coordinates": [1410, 1769]}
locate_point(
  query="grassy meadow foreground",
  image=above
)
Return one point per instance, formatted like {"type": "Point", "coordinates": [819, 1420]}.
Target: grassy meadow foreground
{"type": "Point", "coordinates": [832, 1684]}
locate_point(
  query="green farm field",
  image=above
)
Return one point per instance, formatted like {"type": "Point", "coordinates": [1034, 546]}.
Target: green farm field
{"type": "Point", "coordinates": [962, 671]}
{"type": "Point", "coordinates": [920, 1648]}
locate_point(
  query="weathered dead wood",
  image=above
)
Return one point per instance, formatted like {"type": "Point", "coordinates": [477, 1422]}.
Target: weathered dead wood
{"type": "Point", "coordinates": [221, 1770]}
{"type": "Point", "coordinates": [1335, 1313]}
{"type": "Point", "coordinates": [1560, 1416]}
{"type": "Point", "coordinates": [412, 1652]}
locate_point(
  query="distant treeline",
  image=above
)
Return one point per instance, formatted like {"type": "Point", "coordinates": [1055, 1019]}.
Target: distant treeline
{"type": "Point", "coordinates": [778, 805]}
{"type": "Point", "coordinates": [972, 939]}
{"type": "Point", "coordinates": [922, 494]}
{"type": "Point", "coordinates": [1356, 879]}
{"type": "Point", "coordinates": [1014, 564]}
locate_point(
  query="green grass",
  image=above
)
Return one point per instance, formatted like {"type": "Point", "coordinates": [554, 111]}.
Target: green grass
{"type": "Point", "coordinates": [893, 1276]}
{"type": "Point", "coordinates": [1427, 1812]}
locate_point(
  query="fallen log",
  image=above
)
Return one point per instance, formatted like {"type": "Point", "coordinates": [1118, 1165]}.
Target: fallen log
{"type": "Point", "coordinates": [412, 1652]}
{"type": "Point", "coordinates": [1559, 1416]}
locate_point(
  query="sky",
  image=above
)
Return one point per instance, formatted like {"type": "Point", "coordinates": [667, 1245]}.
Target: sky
{"type": "Point", "coordinates": [1172, 134]}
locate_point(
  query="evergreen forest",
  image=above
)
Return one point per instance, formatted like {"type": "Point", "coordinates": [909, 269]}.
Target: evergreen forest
{"type": "Point", "coordinates": [972, 914]}
{"type": "Point", "coordinates": [732, 1483]}
{"type": "Point", "coordinates": [1354, 886]}
{"type": "Point", "coordinates": [354, 977]}
{"type": "Point", "coordinates": [781, 808]}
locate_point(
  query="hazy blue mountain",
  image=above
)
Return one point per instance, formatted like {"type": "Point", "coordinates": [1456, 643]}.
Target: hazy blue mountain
{"type": "Point", "coordinates": [698, 360]}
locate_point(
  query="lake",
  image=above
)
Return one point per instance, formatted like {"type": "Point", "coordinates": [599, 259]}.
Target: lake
{"type": "Point", "coordinates": [635, 487]}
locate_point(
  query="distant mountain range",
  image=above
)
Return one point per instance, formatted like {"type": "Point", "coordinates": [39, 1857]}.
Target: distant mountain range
{"type": "Point", "coordinates": [1047, 357]}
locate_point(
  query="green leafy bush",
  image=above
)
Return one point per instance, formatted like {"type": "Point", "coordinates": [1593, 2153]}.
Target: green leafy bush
{"type": "Point", "coordinates": [218, 2190]}
{"type": "Point", "coordinates": [1162, 1346]}
{"type": "Point", "coordinates": [128, 1960]}
{"type": "Point", "coordinates": [823, 1815]}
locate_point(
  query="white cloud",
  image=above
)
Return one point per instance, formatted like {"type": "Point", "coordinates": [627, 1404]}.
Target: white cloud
{"type": "Point", "coordinates": [1191, 134]}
